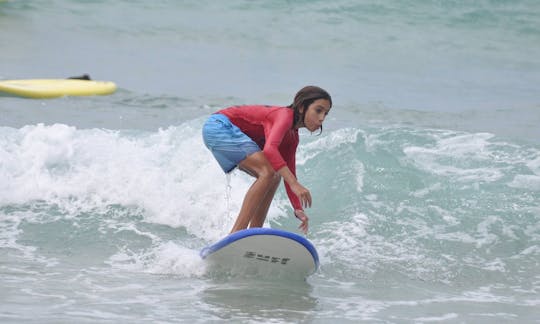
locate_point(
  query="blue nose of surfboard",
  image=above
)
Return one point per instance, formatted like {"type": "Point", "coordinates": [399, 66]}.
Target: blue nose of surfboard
{"type": "Point", "coordinates": [264, 251]}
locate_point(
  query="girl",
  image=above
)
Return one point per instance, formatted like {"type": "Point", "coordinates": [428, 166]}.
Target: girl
{"type": "Point", "coordinates": [236, 135]}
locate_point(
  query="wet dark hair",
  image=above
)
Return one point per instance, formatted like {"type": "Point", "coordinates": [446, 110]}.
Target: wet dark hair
{"type": "Point", "coordinates": [305, 97]}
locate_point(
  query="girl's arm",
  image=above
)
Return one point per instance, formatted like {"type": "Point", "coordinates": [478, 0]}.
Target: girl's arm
{"type": "Point", "coordinates": [300, 191]}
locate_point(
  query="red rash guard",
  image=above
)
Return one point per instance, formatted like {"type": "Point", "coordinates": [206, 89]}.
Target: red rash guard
{"type": "Point", "coordinates": [271, 127]}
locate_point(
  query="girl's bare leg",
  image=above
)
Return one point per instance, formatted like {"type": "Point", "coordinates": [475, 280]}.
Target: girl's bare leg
{"type": "Point", "coordinates": [260, 215]}
{"type": "Point", "coordinates": [260, 194]}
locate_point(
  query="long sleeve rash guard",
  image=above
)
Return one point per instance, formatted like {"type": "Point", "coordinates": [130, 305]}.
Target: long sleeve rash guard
{"type": "Point", "coordinates": [271, 127]}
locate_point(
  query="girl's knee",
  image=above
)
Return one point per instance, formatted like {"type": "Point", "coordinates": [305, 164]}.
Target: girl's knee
{"type": "Point", "coordinates": [270, 175]}
{"type": "Point", "coordinates": [276, 179]}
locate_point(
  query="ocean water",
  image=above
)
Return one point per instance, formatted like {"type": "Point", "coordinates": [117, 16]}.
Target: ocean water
{"type": "Point", "coordinates": [426, 179]}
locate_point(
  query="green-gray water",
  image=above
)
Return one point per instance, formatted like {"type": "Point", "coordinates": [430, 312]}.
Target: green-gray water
{"type": "Point", "coordinates": [426, 179]}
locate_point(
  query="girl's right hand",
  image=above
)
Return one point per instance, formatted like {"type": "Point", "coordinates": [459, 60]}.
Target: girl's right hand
{"type": "Point", "coordinates": [303, 194]}
{"type": "Point", "coordinates": [303, 218]}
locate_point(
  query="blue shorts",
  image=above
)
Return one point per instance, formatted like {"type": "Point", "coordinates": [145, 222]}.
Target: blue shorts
{"type": "Point", "coordinates": [227, 142]}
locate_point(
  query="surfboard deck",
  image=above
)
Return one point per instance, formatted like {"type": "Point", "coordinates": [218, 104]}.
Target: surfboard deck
{"type": "Point", "coordinates": [263, 251]}
{"type": "Point", "coordinates": [53, 88]}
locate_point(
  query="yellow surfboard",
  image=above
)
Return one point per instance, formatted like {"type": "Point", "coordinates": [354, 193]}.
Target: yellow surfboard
{"type": "Point", "coordinates": [53, 88]}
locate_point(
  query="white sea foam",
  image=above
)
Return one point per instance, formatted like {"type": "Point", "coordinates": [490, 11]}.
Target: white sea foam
{"type": "Point", "coordinates": [350, 243]}
{"type": "Point", "coordinates": [462, 157]}
{"type": "Point", "coordinates": [442, 318]}
{"type": "Point", "coordinates": [313, 145]}
{"type": "Point", "coordinates": [169, 174]}
{"type": "Point", "coordinates": [530, 182]}
{"type": "Point", "coordinates": [164, 258]}
{"type": "Point", "coordinates": [10, 231]}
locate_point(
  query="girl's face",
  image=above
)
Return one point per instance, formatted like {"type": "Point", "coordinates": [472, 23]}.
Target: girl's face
{"type": "Point", "coordinates": [315, 114]}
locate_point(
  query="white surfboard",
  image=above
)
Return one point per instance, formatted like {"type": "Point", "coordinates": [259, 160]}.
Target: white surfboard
{"type": "Point", "coordinates": [263, 251]}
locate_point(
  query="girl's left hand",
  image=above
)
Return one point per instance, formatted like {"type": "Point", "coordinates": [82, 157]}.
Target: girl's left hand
{"type": "Point", "coordinates": [301, 215]}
